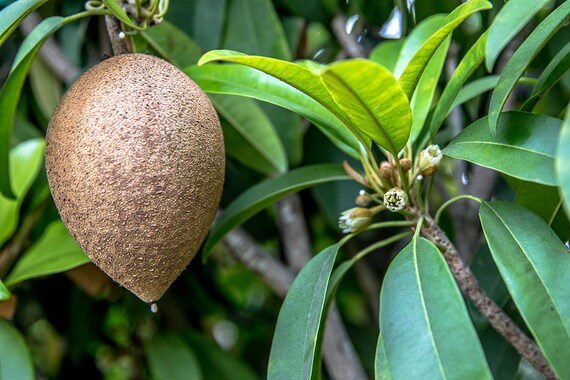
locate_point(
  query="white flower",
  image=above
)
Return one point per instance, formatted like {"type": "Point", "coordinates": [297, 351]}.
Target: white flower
{"type": "Point", "coordinates": [355, 219]}
{"type": "Point", "coordinates": [428, 160]}
{"type": "Point", "coordinates": [395, 199]}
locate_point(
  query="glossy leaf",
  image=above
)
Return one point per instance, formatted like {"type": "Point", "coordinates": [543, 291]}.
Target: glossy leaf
{"type": "Point", "coordinates": [521, 59]}
{"type": "Point", "coordinates": [512, 17]}
{"type": "Point", "coordinates": [556, 69]}
{"type": "Point", "coordinates": [15, 357]}
{"type": "Point", "coordinates": [297, 76]}
{"type": "Point", "coordinates": [415, 40]}
{"type": "Point", "coordinates": [266, 193]}
{"type": "Point", "coordinates": [170, 358]}
{"type": "Point", "coordinates": [252, 26]}
{"type": "Point", "coordinates": [546, 202]}
{"type": "Point", "coordinates": [386, 53]}
{"type": "Point", "coordinates": [54, 252]}
{"type": "Point", "coordinates": [373, 101]}
{"type": "Point", "coordinates": [25, 162]}
{"type": "Point", "coordinates": [425, 331]}
{"type": "Point", "coordinates": [470, 62]}
{"type": "Point", "coordinates": [13, 15]}
{"type": "Point", "coordinates": [257, 131]}
{"type": "Point", "coordinates": [524, 148]}
{"type": "Point", "coordinates": [294, 350]}
{"type": "Point", "coordinates": [535, 265]}
{"type": "Point", "coordinates": [237, 80]}
{"type": "Point", "coordinates": [172, 44]}
{"type": "Point", "coordinates": [414, 70]}
{"type": "Point", "coordinates": [10, 92]}
{"type": "Point", "coordinates": [563, 162]}
{"type": "Point", "coordinates": [4, 292]}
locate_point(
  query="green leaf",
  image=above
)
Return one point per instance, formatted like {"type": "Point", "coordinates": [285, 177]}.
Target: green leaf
{"type": "Point", "coordinates": [297, 76]}
{"type": "Point", "coordinates": [480, 86]}
{"type": "Point", "coordinates": [25, 162]}
{"type": "Point", "coordinates": [47, 89]}
{"type": "Point", "coordinates": [294, 350]}
{"type": "Point", "coordinates": [546, 202]}
{"type": "Point", "coordinates": [4, 292]}
{"type": "Point", "coordinates": [425, 331]}
{"type": "Point", "coordinates": [10, 92]}
{"type": "Point", "coordinates": [512, 17]}
{"type": "Point", "coordinates": [252, 26]}
{"type": "Point", "coordinates": [13, 14]}
{"type": "Point", "coordinates": [524, 148]}
{"type": "Point", "coordinates": [266, 193]}
{"type": "Point", "coordinates": [521, 59]}
{"type": "Point", "coordinates": [215, 363]}
{"type": "Point", "coordinates": [246, 81]}
{"type": "Point", "coordinates": [414, 41]}
{"type": "Point", "coordinates": [172, 44]}
{"type": "Point", "coordinates": [555, 70]}
{"type": "Point", "coordinates": [535, 265]}
{"type": "Point", "coordinates": [411, 75]}
{"type": "Point", "coordinates": [253, 125]}
{"type": "Point", "coordinates": [54, 252]}
{"type": "Point", "coordinates": [386, 53]}
{"type": "Point", "coordinates": [373, 101]}
{"type": "Point", "coordinates": [208, 22]}
{"type": "Point", "coordinates": [170, 358]}
{"type": "Point", "coordinates": [563, 162]}
{"type": "Point", "coordinates": [470, 62]}
{"type": "Point", "coordinates": [15, 357]}
{"type": "Point", "coordinates": [118, 12]}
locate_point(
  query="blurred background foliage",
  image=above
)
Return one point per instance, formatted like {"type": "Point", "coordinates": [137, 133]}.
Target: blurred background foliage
{"type": "Point", "coordinates": [218, 318]}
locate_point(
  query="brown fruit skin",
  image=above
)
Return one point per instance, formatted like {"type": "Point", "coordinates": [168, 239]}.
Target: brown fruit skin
{"type": "Point", "coordinates": [135, 163]}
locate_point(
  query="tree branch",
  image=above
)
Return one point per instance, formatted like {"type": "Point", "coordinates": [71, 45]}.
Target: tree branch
{"type": "Point", "coordinates": [349, 45]}
{"type": "Point", "coordinates": [470, 287]}
{"type": "Point", "coordinates": [114, 29]}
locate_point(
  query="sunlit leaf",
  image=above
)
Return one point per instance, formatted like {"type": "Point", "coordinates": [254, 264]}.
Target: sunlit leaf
{"type": "Point", "coordinates": [25, 162]}
{"type": "Point", "coordinates": [386, 53]}
{"type": "Point", "coordinates": [425, 331]}
{"type": "Point", "coordinates": [13, 14]}
{"type": "Point", "coordinates": [525, 148]}
{"type": "Point", "coordinates": [246, 81]}
{"type": "Point", "coordinates": [15, 357]}
{"type": "Point", "coordinates": [266, 193]}
{"type": "Point", "coordinates": [294, 350]}
{"type": "Point", "coordinates": [54, 252]}
{"type": "Point", "coordinates": [255, 128]}
{"type": "Point", "coordinates": [10, 92]}
{"type": "Point", "coordinates": [535, 265]}
{"type": "Point", "coordinates": [512, 17]}
{"type": "Point", "coordinates": [372, 100]}
{"type": "Point", "coordinates": [563, 162]}
{"type": "Point", "coordinates": [170, 358]}
{"type": "Point", "coordinates": [4, 292]}
{"type": "Point", "coordinates": [411, 75]}
{"type": "Point", "coordinates": [521, 59]}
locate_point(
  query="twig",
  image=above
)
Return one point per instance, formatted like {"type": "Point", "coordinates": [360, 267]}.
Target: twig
{"type": "Point", "coordinates": [349, 45]}
{"type": "Point", "coordinates": [51, 53]}
{"type": "Point", "coordinates": [114, 29]}
{"type": "Point", "coordinates": [470, 287]}
{"type": "Point", "coordinates": [339, 355]}
{"type": "Point", "coordinates": [293, 230]}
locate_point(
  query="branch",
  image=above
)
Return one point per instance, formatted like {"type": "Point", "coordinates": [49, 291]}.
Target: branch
{"type": "Point", "coordinates": [349, 45]}
{"type": "Point", "coordinates": [51, 53]}
{"type": "Point", "coordinates": [293, 229]}
{"type": "Point", "coordinates": [114, 29]}
{"type": "Point", "coordinates": [339, 355]}
{"type": "Point", "coordinates": [470, 287]}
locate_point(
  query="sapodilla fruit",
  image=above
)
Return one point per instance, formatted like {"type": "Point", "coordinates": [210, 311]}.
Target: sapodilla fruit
{"type": "Point", "coordinates": [135, 163]}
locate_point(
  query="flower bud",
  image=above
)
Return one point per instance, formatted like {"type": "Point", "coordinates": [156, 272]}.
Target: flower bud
{"type": "Point", "coordinates": [355, 220]}
{"type": "Point", "coordinates": [428, 160]}
{"type": "Point", "coordinates": [362, 199]}
{"type": "Point", "coordinates": [395, 199]}
{"type": "Point", "coordinates": [406, 164]}
{"type": "Point", "coordinates": [385, 170]}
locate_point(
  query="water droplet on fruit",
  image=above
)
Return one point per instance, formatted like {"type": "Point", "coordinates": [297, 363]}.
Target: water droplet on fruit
{"type": "Point", "coordinates": [154, 308]}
